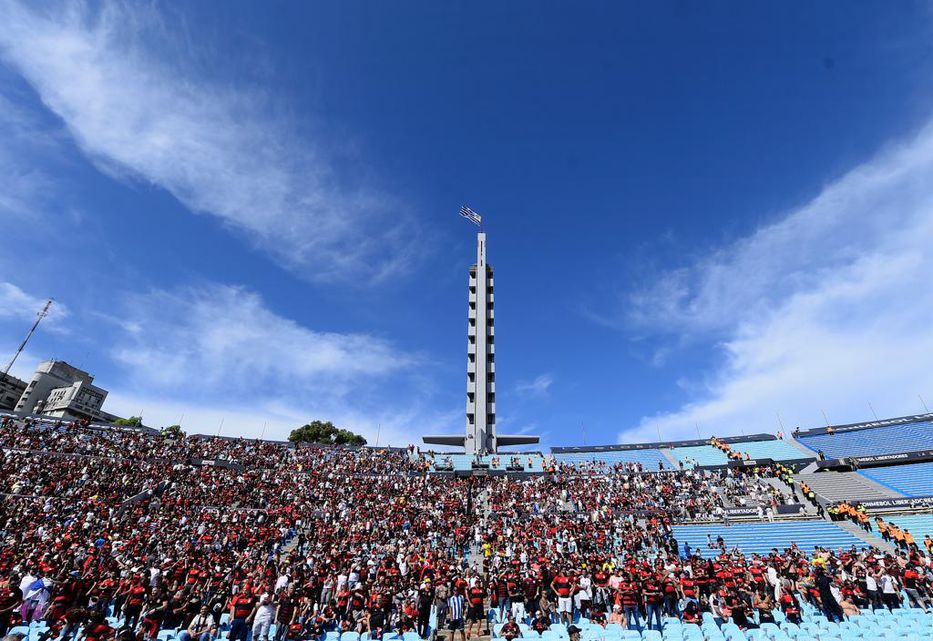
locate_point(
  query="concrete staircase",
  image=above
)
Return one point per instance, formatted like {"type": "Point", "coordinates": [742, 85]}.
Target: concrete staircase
{"type": "Point", "coordinates": [669, 455]}
{"type": "Point", "coordinates": [845, 486]}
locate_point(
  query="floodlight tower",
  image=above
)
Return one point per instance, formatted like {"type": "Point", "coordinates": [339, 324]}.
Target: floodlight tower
{"type": "Point", "coordinates": [42, 314]}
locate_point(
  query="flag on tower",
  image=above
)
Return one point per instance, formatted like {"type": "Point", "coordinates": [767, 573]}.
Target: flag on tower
{"type": "Point", "coordinates": [471, 215]}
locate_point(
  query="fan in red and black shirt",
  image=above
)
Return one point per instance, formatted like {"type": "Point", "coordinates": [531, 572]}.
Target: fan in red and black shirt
{"type": "Point", "coordinates": [631, 603]}
{"type": "Point", "coordinates": [913, 586]}
{"type": "Point", "coordinates": [10, 597]}
{"type": "Point", "coordinates": [651, 589]}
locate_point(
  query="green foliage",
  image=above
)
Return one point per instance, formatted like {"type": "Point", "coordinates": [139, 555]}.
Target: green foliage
{"type": "Point", "coordinates": [325, 433]}
{"type": "Point", "coordinates": [133, 421]}
{"type": "Point", "coordinates": [172, 431]}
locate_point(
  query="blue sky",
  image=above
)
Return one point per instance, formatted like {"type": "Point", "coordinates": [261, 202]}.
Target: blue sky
{"type": "Point", "coordinates": [701, 220]}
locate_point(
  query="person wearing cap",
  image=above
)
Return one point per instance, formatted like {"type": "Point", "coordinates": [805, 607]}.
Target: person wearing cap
{"type": "Point", "coordinates": [573, 632]}
{"type": "Point", "coordinates": [425, 601]}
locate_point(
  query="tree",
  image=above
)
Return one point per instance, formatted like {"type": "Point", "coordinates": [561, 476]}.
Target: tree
{"type": "Point", "coordinates": [133, 421]}
{"type": "Point", "coordinates": [325, 433]}
{"type": "Point", "coordinates": [172, 431]}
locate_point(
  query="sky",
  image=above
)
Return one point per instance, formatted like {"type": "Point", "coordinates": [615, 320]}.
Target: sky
{"type": "Point", "coordinates": [704, 220]}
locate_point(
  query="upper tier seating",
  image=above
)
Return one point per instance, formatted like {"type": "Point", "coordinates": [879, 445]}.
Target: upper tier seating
{"type": "Point", "coordinates": [777, 450]}
{"type": "Point", "coordinates": [650, 459]}
{"type": "Point", "coordinates": [910, 480]}
{"type": "Point", "coordinates": [702, 454]}
{"type": "Point", "coordinates": [761, 538]}
{"type": "Point", "coordinates": [872, 441]}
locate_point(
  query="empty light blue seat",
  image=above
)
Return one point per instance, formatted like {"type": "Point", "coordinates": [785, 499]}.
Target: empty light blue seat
{"type": "Point", "coordinates": [761, 538]}
{"type": "Point", "coordinates": [891, 439]}
{"type": "Point", "coordinates": [702, 454]}
{"type": "Point", "coordinates": [350, 636]}
{"type": "Point", "coordinates": [778, 450]}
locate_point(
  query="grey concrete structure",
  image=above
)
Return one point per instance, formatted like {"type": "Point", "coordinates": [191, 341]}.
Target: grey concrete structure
{"type": "Point", "coordinates": [480, 437]}
{"type": "Point", "coordinates": [11, 389]}
{"type": "Point", "coordinates": [60, 390]}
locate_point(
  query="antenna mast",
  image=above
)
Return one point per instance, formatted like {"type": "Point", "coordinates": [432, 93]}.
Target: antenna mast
{"type": "Point", "coordinates": [42, 314]}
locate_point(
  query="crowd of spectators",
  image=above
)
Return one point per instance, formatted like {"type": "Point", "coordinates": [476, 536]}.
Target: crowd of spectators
{"type": "Point", "coordinates": [119, 532]}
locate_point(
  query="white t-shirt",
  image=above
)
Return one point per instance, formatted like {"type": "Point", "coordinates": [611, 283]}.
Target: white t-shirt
{"type": "Point", "coordinates": [888, 584]}
{"type": "Point", "coordinates": [264, 613]}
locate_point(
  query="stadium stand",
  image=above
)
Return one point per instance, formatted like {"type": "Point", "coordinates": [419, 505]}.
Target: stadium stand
{"type": "Point", "coordinates": [870, 441]}
{"type": "Point", "coordinates": [845, 486]}
{"type": "Point", "coordinates": [914, 479]}
{"type": "Point", "coordinates": [649, 459]}
{"type": "Point", "coordinates": [117, 533]}
{"type": "Point", "coordinates": [700, 455]}
{"type": "Point", "coordinates": [776, 450]}
{"type": "Point", "coordinates": [920, 525]}
{"type": "Point", "coordinates": [762, 538]}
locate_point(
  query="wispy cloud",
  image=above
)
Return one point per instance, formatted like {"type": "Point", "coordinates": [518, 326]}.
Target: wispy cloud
{"type": "Point", "coordinates": [218, 352]}
{"type": "Point", "coordinates": [827, 308]}
{"type": "Point", "coordinates": [540, 386]}
{"type": "Point", "coordinates": [143, 116]}
{"type": "Point", "coordinates": [27, 190]}
{"type": "Point", "coordinates": [225, 339]}
{"type": "Point", "coordinates": [19, 305]}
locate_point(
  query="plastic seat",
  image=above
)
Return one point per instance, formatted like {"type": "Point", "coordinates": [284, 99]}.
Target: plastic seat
{"type": "Point", "coordinates": [350, 636]}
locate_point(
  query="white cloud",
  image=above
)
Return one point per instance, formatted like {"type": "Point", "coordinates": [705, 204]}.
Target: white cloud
{"type": "Point", "coordinates": [213, 146]}
{"type": "Point", "coordinates": [828, 308]}
{"type": "Point", "coordinates": [270, 420]}
{"type": "Point", "coordinates": [18, 305]}
{"type": "Point", "coordinates": [225, 339]}
{"type": "Point", "coordinates": [540, 386]}
{"type": "Point", "coordinates": [216, 352]}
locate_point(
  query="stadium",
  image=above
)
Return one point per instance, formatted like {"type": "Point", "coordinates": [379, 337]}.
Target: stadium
{"type": "Point", "coordinates": [266, 229]}
{"type": "Point", "coordinates": [823, 534]}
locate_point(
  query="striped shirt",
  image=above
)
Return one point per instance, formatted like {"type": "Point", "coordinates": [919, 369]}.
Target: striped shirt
{"type": "Point", "coordinates": [455, 607]}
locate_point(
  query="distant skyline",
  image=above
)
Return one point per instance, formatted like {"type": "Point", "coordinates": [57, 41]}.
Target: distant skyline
{"type": "Point", "coordinates": [714, 220]}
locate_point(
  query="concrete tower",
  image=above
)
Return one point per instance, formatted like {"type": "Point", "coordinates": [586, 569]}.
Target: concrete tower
{"type": "Point", "coordinates": [481, 357]}
{"type": "Point", "coordinates": [480, 437]}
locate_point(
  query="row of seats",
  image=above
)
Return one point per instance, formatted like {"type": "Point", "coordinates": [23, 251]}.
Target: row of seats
{"type": "Point", "coordinates": [777, 450]}
{"type": "Point", "coordinates": [761, 538]}
{"type": "Point", "coordinates": [702, 454]}
{"type": "Point", "coordinates": [919, 525]}
{"type": "Point", "coordinates": [874, 441]}
{"type": "Point", "coordinates": [650, 459]}
{"type": "Point", "coordinates": [907, 624]}
{"type": "Point", "coordinates": [910, 480]}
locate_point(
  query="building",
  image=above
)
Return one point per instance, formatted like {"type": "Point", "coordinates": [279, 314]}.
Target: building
{"type": "Point", "coordinates": [60, 390]}
{"type": "Point", "coordinates": [480, 437]}
{"type": "Point", "coordinates": [11, 389]}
